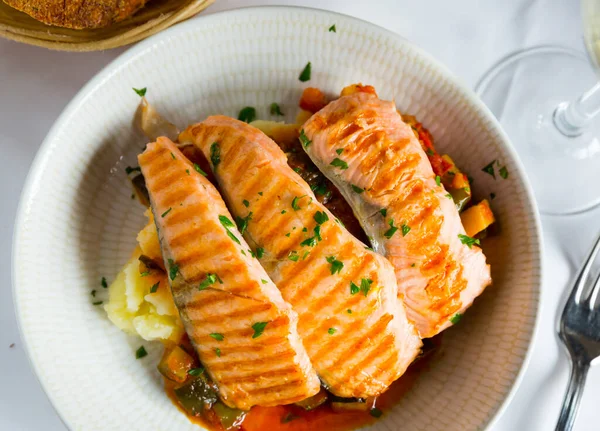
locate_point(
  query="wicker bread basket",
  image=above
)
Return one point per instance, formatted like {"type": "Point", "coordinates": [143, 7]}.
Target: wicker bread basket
{"type": "Point", "coordinates": [154, 17]}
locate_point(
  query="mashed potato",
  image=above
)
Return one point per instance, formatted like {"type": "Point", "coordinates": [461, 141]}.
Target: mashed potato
{"type": "Point", "coordinates": [132, 306]}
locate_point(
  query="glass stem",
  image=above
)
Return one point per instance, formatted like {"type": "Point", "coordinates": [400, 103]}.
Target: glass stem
{"type": "Point", "coordinates": [571, 118]}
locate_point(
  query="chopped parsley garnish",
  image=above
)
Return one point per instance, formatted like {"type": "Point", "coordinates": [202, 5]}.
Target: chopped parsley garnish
{"type": "Point", "coordinates": [260, 252]}
{"type": "Point", "coordinates": [369, 248]}
{"type": "Point", "coordinates": [141, 352]}
{"type": "Point", "coordinates": [492, 196]}
{"type": "Point", "coordinates": [332, 28]}
{"type": "Point", "coordinates": [166, 212]}
{"type": "Point", "coordinates": [297, 169]}
{"type": "Point", "coordinates": [93, 292]}
{"type": "Point", "coordinates": [295, 205]}
{"type": "Point", "coordinates": [187, 171]}
{"type": "Point", "coordinates": [489, 169]}
{"type": "Point", "coordinates": [339, 151]}
{"type": "Point", "coordinates": [209, 280]}
{"type": "Point", "coordinates": [467, 240]}
{"type": "Point", "coordinates": [391, 231]}
{"type": "Point", "coordinates": [405, 229]}
{"type": "Point", "coordinates": [320, 189]}
{"type": "Point", "coordinates": [259, 328]}
{"type": "Point", "coordinates": [339, 163]}
{"type": "Point", "coordinates": [503, 172]}
{"type": "Point", "coordinates": [383, 211]}
{"type": "Point", "coordinates": [449, 196]}
{"type": "Point", "coordinates": [251, 253]}
{"type": "Point", "coordinates": [336, 265]}
{"type": "Point", "coordinates": [288, 418]}
{"type": "Point", "coordinates": [412, 265]}
{"type": "Point", "coordinates": [103, 282]}
{"type": "Point", "coordinates": [331, 331]}
{"type": "Point", "coordinates": [275, 109]}
{"type": "Point", "coordinates": [438, 180]}
{"type": "Point", "coordinates": [260, 193]}
{"type": "Point", "coordinates": [321, 217]}
{"type": "Point", "coordinates": [309, 242]}
{"type": "Point", "coordinates": [288, 234]}
{"type": "Point", "coordinates": [140, 91]}
{"type": "Point", "coordinates": [133, 196]}
{"type": "Point", "coordinates": [305, 74]}
{"type": "Point", "coordinates": [248, 114]}
{"type": "Point", "coordinates": [198, 169]}
{"type": "Point", "coordinates": [293, 256]}
{"type": "Point", "coordinates": [227, 224]}
{"type": "Point", "coordinates": [283, 211]}
{"type": "Point", "coordinates": [215, 154]}
{"type": "Point", "coordinates": [154, 287]}
{"type": "Point", "coordinates": [354, 289]}
{"type": "Point", "coordinates": [144, 274]}
{"type": "Point", "coordinates": [264, 281]}
{"type": "Point", "coordinates": [304, 229]}
{"type": "Point", "coordinates": [242, 222]}
{"type": "Point", "coordinates": [365, 285]}
{"type": "Point", "coordinates": [375, 412]}
{"type": "Point", "coordinates": [173, 156]}
{"type": "Point", "coordinates": [97, 303]}
{"type": "Point", "coordinates": [218, 352]}
{"type": "Point", "coordinates": [129, 169]}
{"type": "Point", "coordinates": [173, 269]}
{"type": "Point", "coordinates": [430, 152]}
{"type": "Point", "coordinates": [304, 139]}
{"type": "Point", "coordinates": [195, 371]}
{"type": "Point", "coordinates": [456, 318]}
{"type": "Point", "coordinates": [338, 221]}
{"type": "Point", "coordinates": [357, 189]}
{"type": "Point", "coordinates": [246, 203]}
{"type": "Point", "coordinates": [306, 253]}
{"type": "Point", "coordinates": [217, 336]}
{"type": "Point", "coordinates": [318, 232]}
{"type": "Point", "coordinates": [349, 311]}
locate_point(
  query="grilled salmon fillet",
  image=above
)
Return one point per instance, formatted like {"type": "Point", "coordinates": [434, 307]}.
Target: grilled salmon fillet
{"type": "Point", "coordinates": [244, 332]}
{"type": "Point", "coordinates": [362, 145]}
{"type": "Point", "coordinates": [354, 328]}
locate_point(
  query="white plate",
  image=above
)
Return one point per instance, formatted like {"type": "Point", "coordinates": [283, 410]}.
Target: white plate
{"type": "Point", "coordinates": [77, 223]}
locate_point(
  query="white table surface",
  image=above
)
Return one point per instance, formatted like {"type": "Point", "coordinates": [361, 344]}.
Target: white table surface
{"type": "Point", "coordinates": [467, 35]}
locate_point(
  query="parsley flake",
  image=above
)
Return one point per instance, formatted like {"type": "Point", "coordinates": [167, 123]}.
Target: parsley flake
{"type": "Point", "coordinates": [357, 189]}
{"type": "Point", "coordinates": [260, 252]}
{"type": "Point", "coordinates": [405, 229]}
{"type": "Point", "coordinates": [349, 311]}
{"type": "Point", "coordinates": [503, 172]}
{"type": "Point", "coordinates": [288, 418]}
{"type": "Point", "coordinates": [217, 336]}
{"type": "Point", "coordinates": [438, 180]}
{"type": "Point", "coordinates": [339, 151]}
{"type": "Point", "coordinates": [336, 265]}
{"type": "Point", "coordinates": [321, 217]}
{"type": "Point", "coordinates": [306, 72]}
{"type": "Point", "coordinates": [173, 269]}
{"type": "Point", "coordinates": [449, 196]}
{"type": "Point", "coordinates": [295, 205]}
{"type": "Point", "coordinates": [93, 292]}
{"type": "Point", "coordinates": [218, 352]}
{"type": "Point", "coordinates": [489, 169]}
{"type": "Point", "coordinates": [456, 318]}
{"type": "Point", "coordinates": [247, 114]}
{"type": "Point", "coordinates": [332, 331]}
{"type": "Point", "coordinates": [198, 169]}
{"type": "Point", "coordinates": [339, 163]}
{"type": "Point", "coordinates": [304, 139]}
{"type": "Point", "coordinates": [215, 154]}
{"type": "Point", "coordinates": [293, 256]}
{"type": "Point", "coordinates": [354, 289]}
{"type": "Point", "coordinates": [154, 287]}
{"type": "Point", "coordinates": [383, 211]}
{"type": "Point", "coordinates": [166, 212]}
{"type": "Point", "coordinates": [195, 371]}
{"type": "Point", "coordinates": [246, 203]}
{"type": "Point", "coordinates": [140, 91]}
{"type": "Point", "coordinates": [103, 282]}
{"type": "Point", "coordinates": [209, 280]}
{"type": "Point", "coordinates": [467, 240]}
{"type": "Point", "coordinates": [332, 29]}
{"type": "Point", "coordinates": [141, 352]}
{"type": "Point", "coordinates": [275, 109]}
{"type": "Point", "coordinates": [242, 222]}
{"type": "Point", "coordinates": [391, 231]}
{"type": "Point", "coordinates": [309, 242]}
{"type": "Point", "coordinates": [259, 328]}
{"type": "Point", "coordinates": [97, 303]}
{"type": "Point", "coordinates": [264, 281]}
{"type": "Point", "coordinates": [365, 285]}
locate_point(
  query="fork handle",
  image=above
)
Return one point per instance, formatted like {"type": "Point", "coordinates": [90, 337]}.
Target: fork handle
{"type": "Point", "coordinates": [572, 398]}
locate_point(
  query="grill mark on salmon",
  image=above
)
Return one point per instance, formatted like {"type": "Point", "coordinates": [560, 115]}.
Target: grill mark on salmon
{"type": "Point", "coordinates": [386, 160]}
{"type": "Point", "coordinates": [196, 242]}
{"type": "Point", "coordinates": [250, 162]}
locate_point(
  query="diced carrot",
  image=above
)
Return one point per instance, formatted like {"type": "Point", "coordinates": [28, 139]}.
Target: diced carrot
{"type": "Point", "coordinates": [312, 100]}
{"type": "Point", "coordinates": [477, 218]}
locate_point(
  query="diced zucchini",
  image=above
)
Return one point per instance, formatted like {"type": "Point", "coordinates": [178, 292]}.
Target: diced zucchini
{"type": "Point", "coordinates": [313, 402]}
{"type": "Point", "coordinates": [477, 218]}
{"type": "Point", "coordinates": [175, 364]}
{"type": "Point", "coordinates": [461, 197]}
{"type": "Point", "coordinates": [230, 418]}
{"type": "Point", "coordinates": [197, 396]}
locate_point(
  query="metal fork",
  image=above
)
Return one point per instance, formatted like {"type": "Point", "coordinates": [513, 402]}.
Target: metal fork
{"type": "Point", "coordinates": [579, 330]}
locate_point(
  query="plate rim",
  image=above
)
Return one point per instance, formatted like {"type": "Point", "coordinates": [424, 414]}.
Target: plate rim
{"type": "Point", "coordinates": [105, 73]}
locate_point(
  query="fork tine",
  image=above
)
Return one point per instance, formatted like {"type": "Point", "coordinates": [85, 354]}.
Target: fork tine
{"type": "Point", "coordinates": [585, 272]}
{"type": "Point", "coordinates": [595, 292]}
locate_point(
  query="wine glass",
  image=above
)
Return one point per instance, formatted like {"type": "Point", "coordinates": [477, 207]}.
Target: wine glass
{"type": "Point", "coordinates": [548, 99]}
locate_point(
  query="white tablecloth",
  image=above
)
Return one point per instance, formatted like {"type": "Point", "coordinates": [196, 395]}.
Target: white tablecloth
{"type": "Point", "coordinates": [467, 35]}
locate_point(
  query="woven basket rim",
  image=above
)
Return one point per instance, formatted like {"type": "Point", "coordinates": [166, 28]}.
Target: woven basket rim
{"type": "Point", "coordinates": [142, 31]}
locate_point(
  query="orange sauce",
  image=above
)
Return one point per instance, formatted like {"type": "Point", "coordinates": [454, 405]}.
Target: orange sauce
{"type": "Point", "coordinates": [294, 418]}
